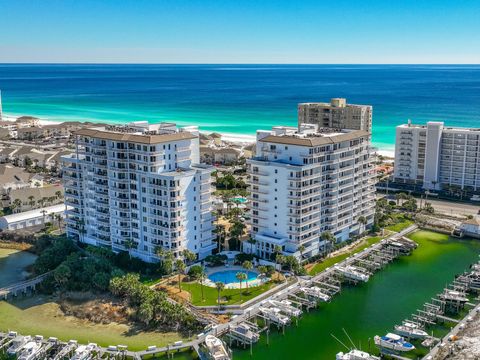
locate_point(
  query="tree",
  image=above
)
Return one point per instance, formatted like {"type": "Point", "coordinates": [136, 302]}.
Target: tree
{"type": "Point", "coordinates": [58, 194]}
{"type": "Point", "coordinates": [280, 260]}
{"type": "Point", "coordinates": [241, 277]}
{"type": "Point", "coordinates": [362, 220]}
{"type": "Point", "coordinates": [400, 196]}
{"type": "Point", "coordinates": [247, 265]}
{"type": "Point", "coordinates": [31, 201]}
{"type": "Point", "coordinates": [328, 237]}
{"type": "Point", "coordinates": [189, 256]}
{"type": "Point", "coordinates": [180, 266]}
{"type": "Point", "coordinates": [301, 248]}
{"type": "Point", "coordinates": [201, 276]}
{"type": "Point", "coordinates": [252, 242]}
{"type": "Point", "coordinates": [62, 274]}
{"type": "Point", "coordinates": [262, 269]}
{"type": "Point", "coordinates": [44, 213]}
{"type": "Point", "coordinates": [220, 286]}
{"type": "Point", "coordinates": [220, 232]}
{"type": "Point", "coordinates": [130, 244]}
{"type": "Point", "coordinates": [17, 203]}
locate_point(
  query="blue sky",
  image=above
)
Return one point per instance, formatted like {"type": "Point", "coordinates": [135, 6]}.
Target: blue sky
{"type": "Point", "coordinates": [241, 31]}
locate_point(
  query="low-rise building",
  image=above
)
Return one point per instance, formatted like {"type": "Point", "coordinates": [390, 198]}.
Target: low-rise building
{"type": "Point", "coordinates": [471, 227]}
{"type": "Point", "coordinates": [27, 219]}
{"type": "Point", "coordinates": [12, 177]}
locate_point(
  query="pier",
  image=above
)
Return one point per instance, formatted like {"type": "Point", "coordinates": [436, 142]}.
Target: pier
{"type": "Point", "coordinates": [23, 287]}
{"type": "Point", "coordinates": [258, 316]}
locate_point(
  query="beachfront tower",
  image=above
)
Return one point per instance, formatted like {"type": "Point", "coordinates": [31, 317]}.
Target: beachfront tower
{"type": "Point", "coordinates": [139, 187]}
{"type": "Point", "coordinates": [306, 181]}
{"type": "Point", "coordinates": [437, 157]}
{"type": "Point", "coordinates": [336, 114]}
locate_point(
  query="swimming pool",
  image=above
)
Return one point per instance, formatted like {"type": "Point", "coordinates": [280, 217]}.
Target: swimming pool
{"type": "Point", "coordinates": [229, 276]}
{"type": "Point", "coordinates": [239, 199]}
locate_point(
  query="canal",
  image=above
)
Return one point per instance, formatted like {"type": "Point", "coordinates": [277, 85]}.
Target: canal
{"type": "Point", "coordinates": [373, 308]}
{"type": "Point", "coordinates": [13, 265]}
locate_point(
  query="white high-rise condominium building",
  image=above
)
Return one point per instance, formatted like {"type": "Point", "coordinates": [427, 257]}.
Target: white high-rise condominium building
{"type": "Point", "coordinates": [437, 157]}
{"type": "Point", "coordinates": [336, 114]}
{"type": "Point", "coordinates": [307, 181]}
{"type": "Point", "coordinates": [139, 184]}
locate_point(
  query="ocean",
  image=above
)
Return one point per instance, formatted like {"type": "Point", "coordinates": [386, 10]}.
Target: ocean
{"type": "Point", "coordinates": [239, 99]}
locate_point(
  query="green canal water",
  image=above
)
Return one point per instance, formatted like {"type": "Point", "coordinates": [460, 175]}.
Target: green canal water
{"type": "Point", "coordinates": [13, 264]}
{"type": "Point", "coordinates": [370, 309]}
{"type": "Point", "coordinates": [373, 308]}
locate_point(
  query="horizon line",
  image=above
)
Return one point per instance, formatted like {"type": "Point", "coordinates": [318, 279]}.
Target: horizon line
{"type": "Point", "coordinates": [223, 63]}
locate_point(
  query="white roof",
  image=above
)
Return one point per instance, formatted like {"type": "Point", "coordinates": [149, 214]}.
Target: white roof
{"type": "Point", "coordinates": [32, 214]}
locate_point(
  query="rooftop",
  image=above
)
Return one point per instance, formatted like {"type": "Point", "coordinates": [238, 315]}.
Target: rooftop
{"type": "Point", "coordinates": [309, 135]}
{"type": "Point", "coordinates": [32, 214]}
{"type": "Point", "coordinates": [141, 132]}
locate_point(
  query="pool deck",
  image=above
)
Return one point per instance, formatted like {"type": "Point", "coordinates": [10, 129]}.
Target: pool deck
{"type": "Point", "coordinates": [234, 285]}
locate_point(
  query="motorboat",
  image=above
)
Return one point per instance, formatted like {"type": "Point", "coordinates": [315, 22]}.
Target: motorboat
{"type": "Point", "coordinates": [274, 315]}
{"type": "Point", "coordinates": [17, 344]}
{"type": "Point", "coordinates": [356, 355]}
{"type": "Point", "coordinates": [84, 352]}
{"type": "Point", "coordinates": [410, 330]}
{"type": "Point", "coordinates": [353, 273]}
{"type": "Point", "coordinates": [454, 296]}
{"type": "Point", "coordinates": [393, 342]}
{"type": "Point", "coordinates": [30, 350]}
{"type": "Point", "coordinates": [286, 307]}
{"type": "Point", "coordinates": [216, 348]}
{"type": "Point", "coordinates": [245, 331]}
{"type": "Point", "coordinates": [316, 292]}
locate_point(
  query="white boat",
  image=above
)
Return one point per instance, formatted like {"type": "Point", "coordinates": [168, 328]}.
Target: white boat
{"type": "Point", "coordinates": [356, 355]}
{"type": "Point", "coordinates": [30, 350]}
{"type": "Point", "coordinates": [316, 292]}
{"type": "Point", "coordinates": [410, 330]}
{"type": "Point", "coordinates": [275, 316]}
{"type": "Point", "coordinates": [216, 348]}
{"type": "Point", "coordinates": [352, 273]}
{"type": "Point", "coordinates": [245, 331]}
{"type": "Point", "coordinates": [393, 342]}
{"type": "Point", "coordinates": [454, 296]}
{"type": "Point", "coordinates": [17, 344]}
{"type": "Point", "coordinates": [84, 352]}
{"type": "Point", "coordinates": [286, 307]}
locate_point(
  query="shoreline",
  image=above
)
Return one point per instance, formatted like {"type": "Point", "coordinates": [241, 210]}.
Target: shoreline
{"type": "Point", "coordinates": [239, 139]}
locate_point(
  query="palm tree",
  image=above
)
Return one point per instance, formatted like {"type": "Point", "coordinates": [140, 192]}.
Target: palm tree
{"type": "Point", "coordinates": [58, 194]}
{"type": "Point", "coordinates": [363, 221]}
{"type": "Point", "coordinates": [44, 213]}
{"type": "Point", "coordinates": [17, 203]}
{"type": "Point", "coordinates": [280, 260]}
{"type": "Point", "coordinates": [130, 244]}
{"type": "Point", "coordinates": [201, 276]}
{"type": "Point", "coordinates": [180, 266]}
{"type": "Point", "coordinates": [31, 201]}
{"type": "Point", "coordinates": [277, 249]}
{"type": "Point", "coordinates": [247, 265]}
{"type": "Point", "coordinates": [252, 242]}
{"type": "Point", "coordinates": [241, 276]}
{"type": "Point", "coordinates": [328, 237]}
{"type": "Point", "coordinates": [189, 256]}
{"type": "Point", "coordinates": [220, 232]}
{"type": "Point", "coordinates": [220, 286]}
{"type": "Point", "coordinates": [301, 248]}
{"type": "Point", "coordinates": [58, 217]}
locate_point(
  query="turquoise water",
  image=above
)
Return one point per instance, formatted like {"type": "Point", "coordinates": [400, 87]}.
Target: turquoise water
{"type": "Point", "coordinates": [240, 200]}
{"type": "Point", "coordinates": [229, 276]}
{"type": "Point", "coordinates": [239, 99]}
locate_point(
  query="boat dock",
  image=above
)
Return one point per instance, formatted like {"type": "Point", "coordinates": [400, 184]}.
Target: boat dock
{"type": "Point", "coordinates": [260, 316]}
{"type": "Point", "coordinates": [23, 287]}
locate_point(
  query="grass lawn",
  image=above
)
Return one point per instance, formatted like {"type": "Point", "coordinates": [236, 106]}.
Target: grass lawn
{"type": "Point", "coordinates": [335, 259]}
{"type": "Point", "coordinates": [39, 315]}
{"type": "Point", "coordinates": [230, 296]}
{"type": "Point", "coordinates": [402, 224]}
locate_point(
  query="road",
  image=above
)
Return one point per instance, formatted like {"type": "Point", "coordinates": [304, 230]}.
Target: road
{"type": "Point", "coordinates": [449, 207]}
{"type": "Point", "coordinates": [452, 208]}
